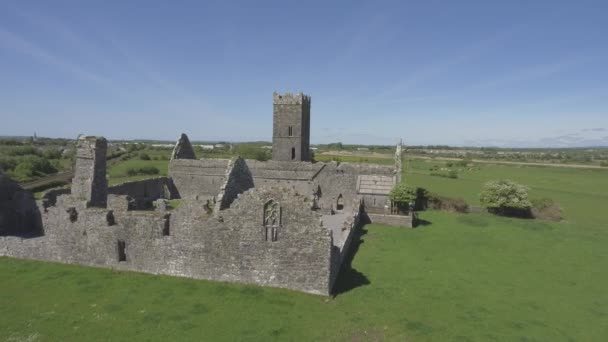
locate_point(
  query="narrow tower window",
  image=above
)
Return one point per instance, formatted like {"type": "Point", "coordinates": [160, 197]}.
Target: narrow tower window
{"type": "Point", "coordinates": [122, 251]}
{"type": "Point", "coordinates": [293, 153]}
{"type": "Point", "coordinates": [290, 131]}
{"type": "Point", "coordinates": [166, 227]}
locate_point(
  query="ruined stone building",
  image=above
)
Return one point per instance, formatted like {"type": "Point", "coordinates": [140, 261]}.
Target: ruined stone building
{"type": "Point", "coordinates": [287, 222]}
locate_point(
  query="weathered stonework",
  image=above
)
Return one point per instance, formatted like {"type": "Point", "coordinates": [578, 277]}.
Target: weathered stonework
{"type": "Point", "coordinates": [19, 214]}
{"type": "Point", "coordinates": [284, 223]}
{"type": "Point", "coordinates": [291, 127]}
{"type": "Point", "coordinates": [183, 149]}
{"type": "Point", "coordinates": [89, 183]}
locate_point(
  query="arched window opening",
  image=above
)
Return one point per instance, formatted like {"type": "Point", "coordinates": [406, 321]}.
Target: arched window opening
{"type": "Point", "coordinates": [293, 153]}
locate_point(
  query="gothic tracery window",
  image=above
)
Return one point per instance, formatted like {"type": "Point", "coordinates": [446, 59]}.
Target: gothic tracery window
{"type": "Point", "coordinates": [272, 220]}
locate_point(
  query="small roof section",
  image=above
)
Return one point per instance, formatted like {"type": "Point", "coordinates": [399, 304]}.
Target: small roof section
{"type": "Point", "coordinates": [375, 185]}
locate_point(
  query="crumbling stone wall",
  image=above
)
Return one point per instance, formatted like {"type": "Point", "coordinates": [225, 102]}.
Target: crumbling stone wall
{"type": "Point", "coordinates": [238, 180]}
{"type": "Point", "coordinates": [19, 213]}
{"type": "Point", "coordinates": [89, 183]}
{"type": "Point", "coordinates": [292, 175]}
{"type": "Point", "coordinates": [183, 149]}
{"type": "Point", "coordinates": [198, 178]}
{"type": "Point", "coordinates": [340, 179]}
{"type": "Point", "coordinates": [146, 189]}
{"type": "Point", "coordinates": [233, 246]}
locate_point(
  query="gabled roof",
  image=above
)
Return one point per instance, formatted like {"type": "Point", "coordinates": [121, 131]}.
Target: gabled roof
{"type": "Point", "coordinates": [375, 185]}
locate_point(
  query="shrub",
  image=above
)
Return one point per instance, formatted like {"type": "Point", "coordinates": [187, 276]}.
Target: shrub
{"type": "Point", "coordinates": [144, 170]}
{"type": "Point", "coordinates": [144, 156]}
{"type": "Point", "coordinates": [505, 197]}
{"type": "Point", "coordinates": [604, 163]}
{"type": "Point", "coordinates": [32, 166]}
{"type": "Point", "coordinates": [22, 151]}
{"type": "Point", "coordinates": [437, 202]}
{"type": "Point", "coordinates": [462, 163]}
{"type": "Point", "coordinates": [546, 209]}
{"type": "Point", "coordinates": [52, 153]}
{"type": "Point", "coordinates": [450, 174]}
{"type": "Point", "coordinates": [402, 194]}
{"type": "Point", "coordinates": [7, 163]}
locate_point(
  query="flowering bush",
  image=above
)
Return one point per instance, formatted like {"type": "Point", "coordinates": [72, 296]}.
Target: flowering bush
{"type": "Point", "coordinates": [506, 197]}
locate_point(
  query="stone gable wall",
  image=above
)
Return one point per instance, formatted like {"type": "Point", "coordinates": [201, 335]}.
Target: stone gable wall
{"type": "Point", "coordinates": [198, 178]}
{"type": "Point", "coordinates": [238, 180]}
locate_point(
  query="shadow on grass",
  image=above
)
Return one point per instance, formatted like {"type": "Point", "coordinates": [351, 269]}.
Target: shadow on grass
{"type": "Point", "coordinates": [349, 278]}
{"type": "Point", "coordinates": [423, 223]}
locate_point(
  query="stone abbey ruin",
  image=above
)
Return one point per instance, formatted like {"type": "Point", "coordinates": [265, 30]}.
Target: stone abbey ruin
{"type": "Point", "coordinates": [287, 222]}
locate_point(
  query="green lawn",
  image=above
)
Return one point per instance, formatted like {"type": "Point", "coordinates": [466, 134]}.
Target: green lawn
{"type": "Point", "coordinates": [117, 173]}
{"type": "Point", "coordinates": [471, 277]}
{"type": "Point", "coordinates": [459, 277]}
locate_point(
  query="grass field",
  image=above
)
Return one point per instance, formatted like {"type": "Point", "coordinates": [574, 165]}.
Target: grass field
{"type": "Point", "coordinates": [118, 173]}
{"type": "Point", "coordinates": [382, 160]}
{"type": "Point", "coordinates": [471, 277]}
{"type": "Point", "coordinates": [583, 194]}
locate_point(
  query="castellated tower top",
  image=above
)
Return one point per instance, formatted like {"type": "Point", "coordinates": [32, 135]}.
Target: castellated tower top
{"type": "Point", "coordinates": [289, 98]}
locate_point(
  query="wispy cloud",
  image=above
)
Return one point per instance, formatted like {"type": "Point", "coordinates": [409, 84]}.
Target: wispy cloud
{"type": "Point", "coordinates": [597, 129]}
{"type": "Point", "coordinates": [101, 49]}
{"type": "Point", "coordinates": [435, 69]}
{"type": "Point", "coordinates": [15, 43]}
{"type": "Point", "coordinates": [516, 77]}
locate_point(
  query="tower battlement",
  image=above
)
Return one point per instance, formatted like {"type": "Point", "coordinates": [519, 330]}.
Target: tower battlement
{"type": "Point", "coordinates": [291, 99]}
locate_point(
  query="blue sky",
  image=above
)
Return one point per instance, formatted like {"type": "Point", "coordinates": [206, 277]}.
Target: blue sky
{"type": "Point", "coordinates": [517, 73]}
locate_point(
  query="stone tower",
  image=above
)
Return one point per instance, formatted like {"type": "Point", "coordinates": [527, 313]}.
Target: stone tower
{"type": "Point", "coordinates": [291, 127]}
{"type": "Point", "coordinates": [89, 183]}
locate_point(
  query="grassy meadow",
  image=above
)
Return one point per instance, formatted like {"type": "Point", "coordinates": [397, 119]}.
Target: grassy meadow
{"type": "Point", "coordinates": [458, 277]}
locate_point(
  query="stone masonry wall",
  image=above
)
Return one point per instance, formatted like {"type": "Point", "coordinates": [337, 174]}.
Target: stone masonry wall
{"type": "Point", "coordinates": [341, 179]}
{"type": "Point", "coordinates": [19, 214]}
{"type": "Point", "coordinates": [291, 110]}
{"type": "Point", "coordinates": [232, 246]}
{"type": "Point", "coordinates": [89, 182]}
{"type": "Point", "coordinates": [198, 178]}
{"type": "Point", "coordinates": [238, 180]}
{"type": "Point", "coordinates": [292, 175]}
{"type": "Point", "coordinates": [151, 189]}
{"type": "Point", "coordinates": [183, 149]}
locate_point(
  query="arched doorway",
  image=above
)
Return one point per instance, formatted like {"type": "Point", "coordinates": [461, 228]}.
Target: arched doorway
{"type": "Point", "coordinates": [340, 203]}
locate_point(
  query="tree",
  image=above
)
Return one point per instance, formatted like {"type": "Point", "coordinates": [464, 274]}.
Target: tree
{"type": "Point", "coordinates": [402, 195]}
{"type": "Point", "coordinates": [505, 197]}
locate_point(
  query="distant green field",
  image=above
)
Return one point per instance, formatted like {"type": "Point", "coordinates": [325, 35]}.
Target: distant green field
{"type": "Point", "coordinates": [118, 173]}
{"type": "Point", "coordinates": [472, 277]}
{"type": "Point", "coordinates": [582, 193]}
{"type": "Point", "coordinates": [387, 160]}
